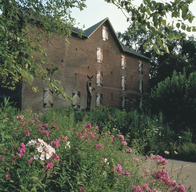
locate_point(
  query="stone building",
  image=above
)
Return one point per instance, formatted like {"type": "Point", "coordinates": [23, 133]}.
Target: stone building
{"type": "Point", "coordinates": [118, 75]}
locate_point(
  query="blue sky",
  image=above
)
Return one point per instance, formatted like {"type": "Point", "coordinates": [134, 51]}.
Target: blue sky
{"type": "Point", "coordinates": [98, 10]}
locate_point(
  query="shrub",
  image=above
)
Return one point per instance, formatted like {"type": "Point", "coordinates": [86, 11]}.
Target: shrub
{"type": "Point", "coordinates": [175, 97]}
{"type": "Point", "coordinates": [47, 156]}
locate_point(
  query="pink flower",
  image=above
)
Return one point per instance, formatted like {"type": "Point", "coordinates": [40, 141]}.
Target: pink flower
{"type": "Point", "coordinates": [7, 176]}
{"type": "Point", "coordinates": [47, 133]}
{"type": "Point", "coordinates": [82, 189]}
{"type": "Point", "coordinates": [88, 126]}
{"type": "Point", "coordinates": [146, 158]}
{"type": "Point", "coordinates": [49, 166]}
{"type": "Point", "coordinates": [119, 168]}
{"type": "Point", "coordinates": [123, 143]}
{"type": "Point", "coordinates": [56, 157]}
{"type": "Point", "coordinates": [102, 147]}
{"type": "Point", "coordinates": [23, 124]}
{"type": "Point", "coordinates": [57, 144]}
{"type": "Point", "coordinates": [96, 146]}
{"type": "Point", "coordinates": [28, 133]}
{"type": "Point", "coordinates": [65, 138]}
{"type": "Point", "coordinates": [126, 173]}
{"type": "Point", "coordinates": [129, 150]}
{"type": "Point", "coordinates": [121, 137]}
{"type": "Point", "coordinates": [80, 136]}
{"type": "Point", "coordinates": [30, 160]}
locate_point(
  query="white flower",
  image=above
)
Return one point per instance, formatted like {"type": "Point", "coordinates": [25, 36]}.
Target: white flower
{"type": "Point", "coordinates": [36, 156]}
{"type": "Point", "coordinates": [67, 145]}
{"type": "Point", "coordinates": [42, 157]}
{"type": "Point", "coordinates": [40, 149]}
{"type": "Point", "coordinates": [48, 156]}
{"type": "Point", "coordinates": [105, 174]}
{"type": "Point", "coordinates": [32, 142]}
{"type": "Point", "coordinates": [105, 160]}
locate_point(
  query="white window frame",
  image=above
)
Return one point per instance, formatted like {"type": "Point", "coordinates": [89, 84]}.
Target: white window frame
{"type": "Point", "coordinates": [123, 62]}
{"type": "Point", "coordinates": [123, 83]}
{"type": "Point", "coordinates": [123, 102]}
{"type": "Point", "coordinates": [99, 78]}
{"type": "Point", "coordinates": [76, 99]}
{"type": "Point", "coordinates": [48, 97]}
{"type": "Point", "coordinates": [99, 98]}
{"type": "Point", "coordinates": [140, 104]}
{"type": "Point", "coordinates": [104, 33]}
{"type": "Point", "coordinates": [140, 65]}
{"type": "Point", "coordinates": [140, 86]}
{"type": "Point", "coordinates": [99, 55]}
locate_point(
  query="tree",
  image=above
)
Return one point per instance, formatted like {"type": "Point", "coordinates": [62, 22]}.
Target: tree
{"type": "Point", "coordinates": [182, 54]}
{"type": "Point", "coordinates": [175, 97]}
{"type": "Point", "coordinates": [19, 17]}
{"type": "Point", "coordinates": [152, 15]}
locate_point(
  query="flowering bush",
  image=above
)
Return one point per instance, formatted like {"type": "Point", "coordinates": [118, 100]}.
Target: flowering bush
{"type": "Point", "coordinates": [60, 155]}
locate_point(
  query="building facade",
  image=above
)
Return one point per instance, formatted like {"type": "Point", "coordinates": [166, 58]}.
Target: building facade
{"type": "Point", "coordinates": [118, 76]}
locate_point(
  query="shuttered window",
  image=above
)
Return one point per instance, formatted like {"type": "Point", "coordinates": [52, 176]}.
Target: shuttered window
{"type": "Point", "coordinates": [76, 99]}
{"type": "Point", "coordinates": [99, 55]}
{"type": "Point", "coordinates": [99, 78]}
{"type": "Point", "coordinates": [123, 83]}
{"type": "Point", "coordinates": [140, 86]}
{"type": "Point", "coordinates": [123, 102]}
{"type": "Point", "coordinates": [104, 33]}
{"type": "Point", "coordinates": [48, 97]}
{"type": "Point", "coordinates": [99, 99]}
{"type": "Point", "coordinates": [140, 67]}
{"type": "Point", "coordinates": [123, 62]}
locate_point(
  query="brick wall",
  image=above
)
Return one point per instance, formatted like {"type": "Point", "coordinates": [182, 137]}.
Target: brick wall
{"type": "Point", "coordinates": [77, 59]}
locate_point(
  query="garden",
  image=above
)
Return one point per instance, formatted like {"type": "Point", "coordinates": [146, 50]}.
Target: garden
{"type": "Point", "coordinates": [65, 150]}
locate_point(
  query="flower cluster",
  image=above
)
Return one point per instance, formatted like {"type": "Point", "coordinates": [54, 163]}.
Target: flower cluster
{"type": "Point", "coordinates": [46, 150]}
{"type": "Point", "coordinates": [22, 150]}
{"type": "Point", "coordinates": [99, 146]}
{"type": "Point", "coordinates": [160, 161]}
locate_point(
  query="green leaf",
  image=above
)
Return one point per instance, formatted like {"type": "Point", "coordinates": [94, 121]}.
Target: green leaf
{"type": "Point", "coordinates": [164, 22]}
{"type": "Point", "coordinates": [178, 25]}
{"type": "Point", "coordinates": [184, 11]}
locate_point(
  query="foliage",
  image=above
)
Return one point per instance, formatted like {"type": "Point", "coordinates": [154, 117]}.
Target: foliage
{"type": "Point", "coordinates": [175, 97]}
{"type": "Point", "coordinates": [42, 156]}
{"type": "Point", "coordinates": [21, 24]}
{"type": "Point", "coordinates": [182, 53]}
{"type": "Point", "coordinates": [151, 16]}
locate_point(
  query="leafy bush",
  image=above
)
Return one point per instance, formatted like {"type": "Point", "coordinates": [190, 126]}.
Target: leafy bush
{"type": "Point", "coordinates": [62, 154]}
{"type": "Point", "coordinates": [175, 97]}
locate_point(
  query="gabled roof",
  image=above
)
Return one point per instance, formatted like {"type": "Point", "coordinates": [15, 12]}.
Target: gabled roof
{"type": "Point", "coordinates": [88, 32]}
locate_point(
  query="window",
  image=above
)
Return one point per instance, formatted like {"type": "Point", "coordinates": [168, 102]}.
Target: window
{"type": "Point", "coordinates": [99, 55]}
{"type": "Point", "coordinates": [140, 86]}
{"type": "Point", "coordinates": [99, 99]}
{"type": "Point", "coordinates": [48, 97]}
{"type": "Point", "coordinates": [123, 102]}
{"type": "Point", "coordinates": [123, 62]}
{"type": "Point", "coordinates": [76, 99]}
{"type": "Point", "coordinates": [104, 33]}
{"type": "Point", "coordinates": [99, 78]}
{"type": "Point", "coordinates": [140, 67]}
{"type": "Point", "coordinates": [140, 105]}
{"type": "Point", "coordinates": [123, 83]}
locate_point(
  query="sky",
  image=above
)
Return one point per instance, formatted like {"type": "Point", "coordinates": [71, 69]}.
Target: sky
{"type": "Point", "coordinates": [98, 10]}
